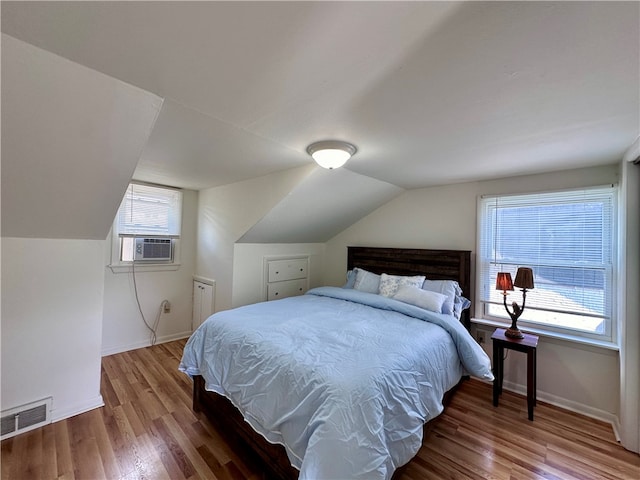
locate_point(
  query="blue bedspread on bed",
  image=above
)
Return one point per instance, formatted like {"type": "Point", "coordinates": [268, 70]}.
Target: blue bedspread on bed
{"type": "Point", "coordinates": [343, 379]}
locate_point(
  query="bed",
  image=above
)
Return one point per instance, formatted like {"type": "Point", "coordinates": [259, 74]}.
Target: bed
{"type": "Point", "coordinates": [356, 381]}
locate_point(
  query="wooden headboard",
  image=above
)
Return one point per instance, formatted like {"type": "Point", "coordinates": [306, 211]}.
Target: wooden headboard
{"type": "Point", "coordinates": [434, 264]}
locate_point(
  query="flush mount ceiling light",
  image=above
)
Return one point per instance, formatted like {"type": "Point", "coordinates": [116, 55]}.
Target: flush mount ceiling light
{"type": "Point", "coordinates": [331, 153]}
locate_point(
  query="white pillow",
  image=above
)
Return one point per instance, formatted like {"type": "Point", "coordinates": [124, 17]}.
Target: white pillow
{"type": "Point", "coordinates": [421, 298]}
{"type": "Point", "coordinates": [389, 284]}
{"type": "Point", "coordinates": [447, 287]}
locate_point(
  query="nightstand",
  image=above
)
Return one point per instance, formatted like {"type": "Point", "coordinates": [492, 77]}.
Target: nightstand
{"type": "Point", "coordinates": [528, 345]}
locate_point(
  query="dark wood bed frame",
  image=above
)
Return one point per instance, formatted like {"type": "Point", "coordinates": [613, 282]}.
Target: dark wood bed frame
{"type": "Point", "coordinates": [434, 264]}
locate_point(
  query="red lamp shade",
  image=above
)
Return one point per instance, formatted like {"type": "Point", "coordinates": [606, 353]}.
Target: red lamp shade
{"type": "Point", "coordinates": [503, 281]}
{"type": "Point", "coordinates": [524, 278]}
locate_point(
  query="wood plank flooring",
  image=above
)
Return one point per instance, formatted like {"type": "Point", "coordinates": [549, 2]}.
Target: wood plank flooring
{"type": "Point", "coordinates": [147, 430]}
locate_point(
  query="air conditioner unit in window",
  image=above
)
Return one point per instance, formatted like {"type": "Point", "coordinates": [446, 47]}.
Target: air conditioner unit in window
{"type": "Point", "coordinates": [155, 249]}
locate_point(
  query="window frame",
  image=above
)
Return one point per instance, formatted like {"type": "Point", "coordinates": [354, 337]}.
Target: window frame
{"type": "Point", "coordinates": [606, 339]}
{"type": "Point", "coordinates": [118, 265]}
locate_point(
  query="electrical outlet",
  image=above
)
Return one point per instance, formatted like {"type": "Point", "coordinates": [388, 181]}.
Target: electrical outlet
{"type": "Point", "coordinates": [167, 306]}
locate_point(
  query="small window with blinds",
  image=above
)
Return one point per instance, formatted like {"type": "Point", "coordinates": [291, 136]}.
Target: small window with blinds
{"type": "Point", "coordinates": [148, 223]}
{"type": "Point", "coordinates": [567, 238]}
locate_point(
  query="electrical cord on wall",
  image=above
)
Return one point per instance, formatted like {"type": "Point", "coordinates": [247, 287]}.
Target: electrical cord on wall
{"type": "Point", "coordinates": [152, 328]}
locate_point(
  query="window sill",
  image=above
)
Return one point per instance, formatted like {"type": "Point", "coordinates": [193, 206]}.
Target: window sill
{"type": "Point", "coordinates": [156, 267]}
{"type": "Point", "coordinates": [552, 335]}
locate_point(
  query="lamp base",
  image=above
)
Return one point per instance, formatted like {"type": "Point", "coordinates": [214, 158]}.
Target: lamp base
{"type": "Point", "coordinates": [513, 333]}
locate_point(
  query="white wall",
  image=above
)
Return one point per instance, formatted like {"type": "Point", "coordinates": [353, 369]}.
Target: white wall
{"type": "Point", "coordinates": [71, 138]}
{"type": "Point", "coordinates": [226, 213]}
{"type": "Point", "coordinates": [248, 267]}
{"type": "Point", "coordinates": [51, 323]}
{"type": "Point", "coordinates": [579, 377]}
{"type": "Point", "coordinates": [585, 379]}
{"type": "Point", "coordinates": [123, 328]}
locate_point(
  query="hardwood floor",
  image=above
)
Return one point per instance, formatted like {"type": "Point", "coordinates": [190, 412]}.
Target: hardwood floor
{"type": "Point", "coordinates": [147, 430]}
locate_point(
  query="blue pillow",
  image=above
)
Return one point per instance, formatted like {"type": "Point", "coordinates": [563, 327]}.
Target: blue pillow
{"type": "Point", "coordinates": [459, 305]}
{"type": "Point", "coordinates": [351, 279]}
{"type": "Point", "coordinates": [366, 281]}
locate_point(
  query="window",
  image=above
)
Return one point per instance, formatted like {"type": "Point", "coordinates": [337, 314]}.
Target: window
{"type": "Point", "coordinates": [148, 224]}
{"type": "Point", "coordinates": [567, 238]}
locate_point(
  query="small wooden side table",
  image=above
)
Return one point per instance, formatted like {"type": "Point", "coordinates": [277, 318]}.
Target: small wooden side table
{"type": "Point", "coordinates": [528, 345]}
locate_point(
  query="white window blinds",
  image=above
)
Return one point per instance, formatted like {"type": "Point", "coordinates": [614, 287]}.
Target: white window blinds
{"type": "Point", "coordinates": [148, 210]}
{"type": "Point", "coordinates": [567, 238]}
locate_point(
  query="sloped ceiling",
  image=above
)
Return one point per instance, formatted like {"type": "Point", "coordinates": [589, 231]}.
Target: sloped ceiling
{"type": "Point", "coordinates": [323, 204]}
{"type": "Point", "coordinates": [430, 92]}
{"type": "Point", "coordinates": [71, 139]}
{"type": "Point", "coordinates": [186, 147]}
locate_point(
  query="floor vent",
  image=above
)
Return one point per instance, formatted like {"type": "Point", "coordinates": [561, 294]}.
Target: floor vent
{"type": "Point", "coordinates": [25, 417]}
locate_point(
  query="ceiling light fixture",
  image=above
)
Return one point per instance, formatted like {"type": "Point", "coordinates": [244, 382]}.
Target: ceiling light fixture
{"type": "Point", "coordinates": [331, 153]}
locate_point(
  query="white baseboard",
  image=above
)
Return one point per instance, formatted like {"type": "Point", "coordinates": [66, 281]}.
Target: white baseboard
{"type": "Point", "coordinates": [570, 405]}
{"type": "Point", "coordinates": [617, 429]}
{"type": "Point", "coordinates": [144, 343]}
{"type": "Point", "coordinates": [73, 410]}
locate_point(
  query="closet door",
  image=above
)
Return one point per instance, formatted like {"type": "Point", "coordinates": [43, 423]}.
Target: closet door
{"type": "Point", "coordinates": [203, 302]}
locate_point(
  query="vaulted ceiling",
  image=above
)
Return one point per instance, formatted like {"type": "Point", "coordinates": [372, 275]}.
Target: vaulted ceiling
{"type": "Point", "coordinates": [430, 92]}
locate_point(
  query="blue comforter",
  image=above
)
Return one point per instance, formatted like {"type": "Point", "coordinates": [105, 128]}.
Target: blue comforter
{"type": "Point", "coordinates": [343, 379]}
